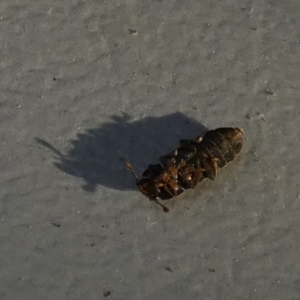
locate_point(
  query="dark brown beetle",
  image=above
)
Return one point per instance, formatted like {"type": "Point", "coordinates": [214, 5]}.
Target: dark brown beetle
{"type": "Point", "coordinates": [192, 162]}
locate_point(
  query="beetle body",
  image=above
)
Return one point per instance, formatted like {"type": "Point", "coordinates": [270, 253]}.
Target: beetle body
{"type": "Point", "coordinates": [191, 163]}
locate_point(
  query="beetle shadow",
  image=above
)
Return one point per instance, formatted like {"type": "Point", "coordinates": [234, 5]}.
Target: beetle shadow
{"type": "Point", "coordinates": [98, 155]}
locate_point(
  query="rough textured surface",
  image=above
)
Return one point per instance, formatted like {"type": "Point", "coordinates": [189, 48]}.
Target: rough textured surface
{"type": "Point", "coordinates": [87, 85]}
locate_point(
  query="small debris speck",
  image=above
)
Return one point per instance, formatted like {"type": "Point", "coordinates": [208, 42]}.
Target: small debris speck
{"type": "Point", "coordinates": [106, 294]}
{"type": "Point", "coordinates": [268, 92]}
{"type": "Point", "coordinates": [169, 269]}
{"type": "Point", "coordinates": [132, 31]}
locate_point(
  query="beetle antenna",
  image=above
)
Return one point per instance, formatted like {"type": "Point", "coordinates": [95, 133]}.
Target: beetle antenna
{"type": "Point", "coordinates": [130, 168]}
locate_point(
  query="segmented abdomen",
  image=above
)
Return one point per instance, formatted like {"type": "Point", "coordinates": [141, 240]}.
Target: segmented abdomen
{"type": "Point", "coordinates": [223, 144]}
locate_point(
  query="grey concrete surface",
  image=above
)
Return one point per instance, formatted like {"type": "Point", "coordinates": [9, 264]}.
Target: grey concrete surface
{"type": "Point", "coordinates": [88, 85]}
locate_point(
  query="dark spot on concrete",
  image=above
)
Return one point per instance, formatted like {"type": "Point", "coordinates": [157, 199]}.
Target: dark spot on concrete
{"type": "Point", "coordinates": [268, 92]}
{"type": "Point", "coordinates": [169, 269]}
{"type": "Point", "coordinates": [132, 31]}
{"type": "Point", "coordinates": [106, 294]}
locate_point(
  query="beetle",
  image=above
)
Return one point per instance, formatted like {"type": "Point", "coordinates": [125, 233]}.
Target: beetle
{"type": "Point", "coordinates": [193, 161]}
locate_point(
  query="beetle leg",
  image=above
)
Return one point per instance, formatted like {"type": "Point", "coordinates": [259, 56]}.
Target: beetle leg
{"type": "Point", "coordinates": [166, 188]}
{"type": "Point", "coordinates": [160, 204]}
{"type": "Point", "coordinates": [209, 172]}
{"type": "Point", "coordinates": [197, 174]}
{"type": "Point", "coordinates": [197, 140]}
{"type": "Point", "coordinates": [213, 163]}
